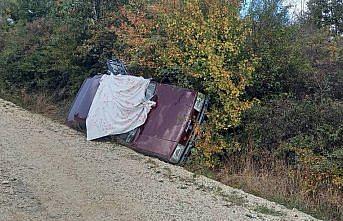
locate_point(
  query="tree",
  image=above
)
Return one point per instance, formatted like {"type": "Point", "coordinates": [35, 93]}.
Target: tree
{"type": "Point", "coordinates": [327, 13]}
{"type": "Point", "coordinates": [273, 41]}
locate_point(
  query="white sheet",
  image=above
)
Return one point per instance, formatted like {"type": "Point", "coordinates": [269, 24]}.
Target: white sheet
{"type": "Point", "coordinates": [119, 106]}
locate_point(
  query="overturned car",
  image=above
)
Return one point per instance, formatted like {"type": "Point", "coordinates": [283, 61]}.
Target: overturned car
{"type": "Point", "coordinates": [167, 131]}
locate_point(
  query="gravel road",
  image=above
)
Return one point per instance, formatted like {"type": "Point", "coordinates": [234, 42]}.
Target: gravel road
{"type": "Point", "coordinates": [50, 172]}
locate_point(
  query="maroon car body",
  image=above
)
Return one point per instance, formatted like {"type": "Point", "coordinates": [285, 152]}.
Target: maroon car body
{"type": "Point", "coordinates": [168, 132]}
{"type": "Point", "coordinates": [79, 110]}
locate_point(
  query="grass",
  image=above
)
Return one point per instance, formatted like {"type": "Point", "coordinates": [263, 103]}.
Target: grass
{"type": "Point", "coordinates": [151, 163]}
{"type": "Point", "coordinates": [275, 184]}
{"type": "Point", "coordinates": [235, 199]}
{"type": "Point", "coordinates": [38, 103]}
{"type": "Point", "coordinates": [268, 211]}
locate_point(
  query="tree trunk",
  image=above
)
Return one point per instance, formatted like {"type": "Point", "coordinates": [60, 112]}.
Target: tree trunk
{"type": "Point", "coordinates": [96, 9]}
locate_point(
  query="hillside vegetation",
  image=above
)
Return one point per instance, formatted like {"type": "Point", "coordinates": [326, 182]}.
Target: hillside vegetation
{"type": "Point", "coordinates": [275, 81]}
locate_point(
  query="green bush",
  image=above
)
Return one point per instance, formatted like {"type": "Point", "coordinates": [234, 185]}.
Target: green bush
{"type": "Point", "coordinates": [288, 128]}
{"type": "Point", "coordinates": [54, 50]}
{"type": "Point", "coordinates": [36, 57]}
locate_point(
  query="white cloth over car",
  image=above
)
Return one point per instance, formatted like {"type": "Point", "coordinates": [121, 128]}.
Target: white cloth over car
{"type": "Point", "coordinates": [119, 106]}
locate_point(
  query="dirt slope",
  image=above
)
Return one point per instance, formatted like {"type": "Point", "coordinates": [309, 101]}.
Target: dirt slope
{"type": "Point", "coordinates": [50, 172]}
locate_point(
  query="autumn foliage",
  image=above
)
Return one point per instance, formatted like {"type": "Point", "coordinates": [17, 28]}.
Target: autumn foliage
{"type": "Point", "coordinates": [205, 44]}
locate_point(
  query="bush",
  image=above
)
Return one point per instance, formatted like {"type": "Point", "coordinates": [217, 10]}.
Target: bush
{"type": "Point", "coordinates": [303, 134]}
{"type": "Point", "coordinates": [37, 58]}
{"type": "Point", "coordinates": [282, 68]}
{"type": "Point", "coordinates": [55, 50]}
{"type": "Point", "coordinates": [207, 46]}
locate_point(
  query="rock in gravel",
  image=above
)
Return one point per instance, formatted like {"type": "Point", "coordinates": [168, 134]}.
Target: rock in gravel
{"type": "Point", "coordinates": [5, 182]}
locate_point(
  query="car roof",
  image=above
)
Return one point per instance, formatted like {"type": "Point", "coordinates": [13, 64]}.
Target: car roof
{"type": "Point", "coordinates": [168, 119]}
